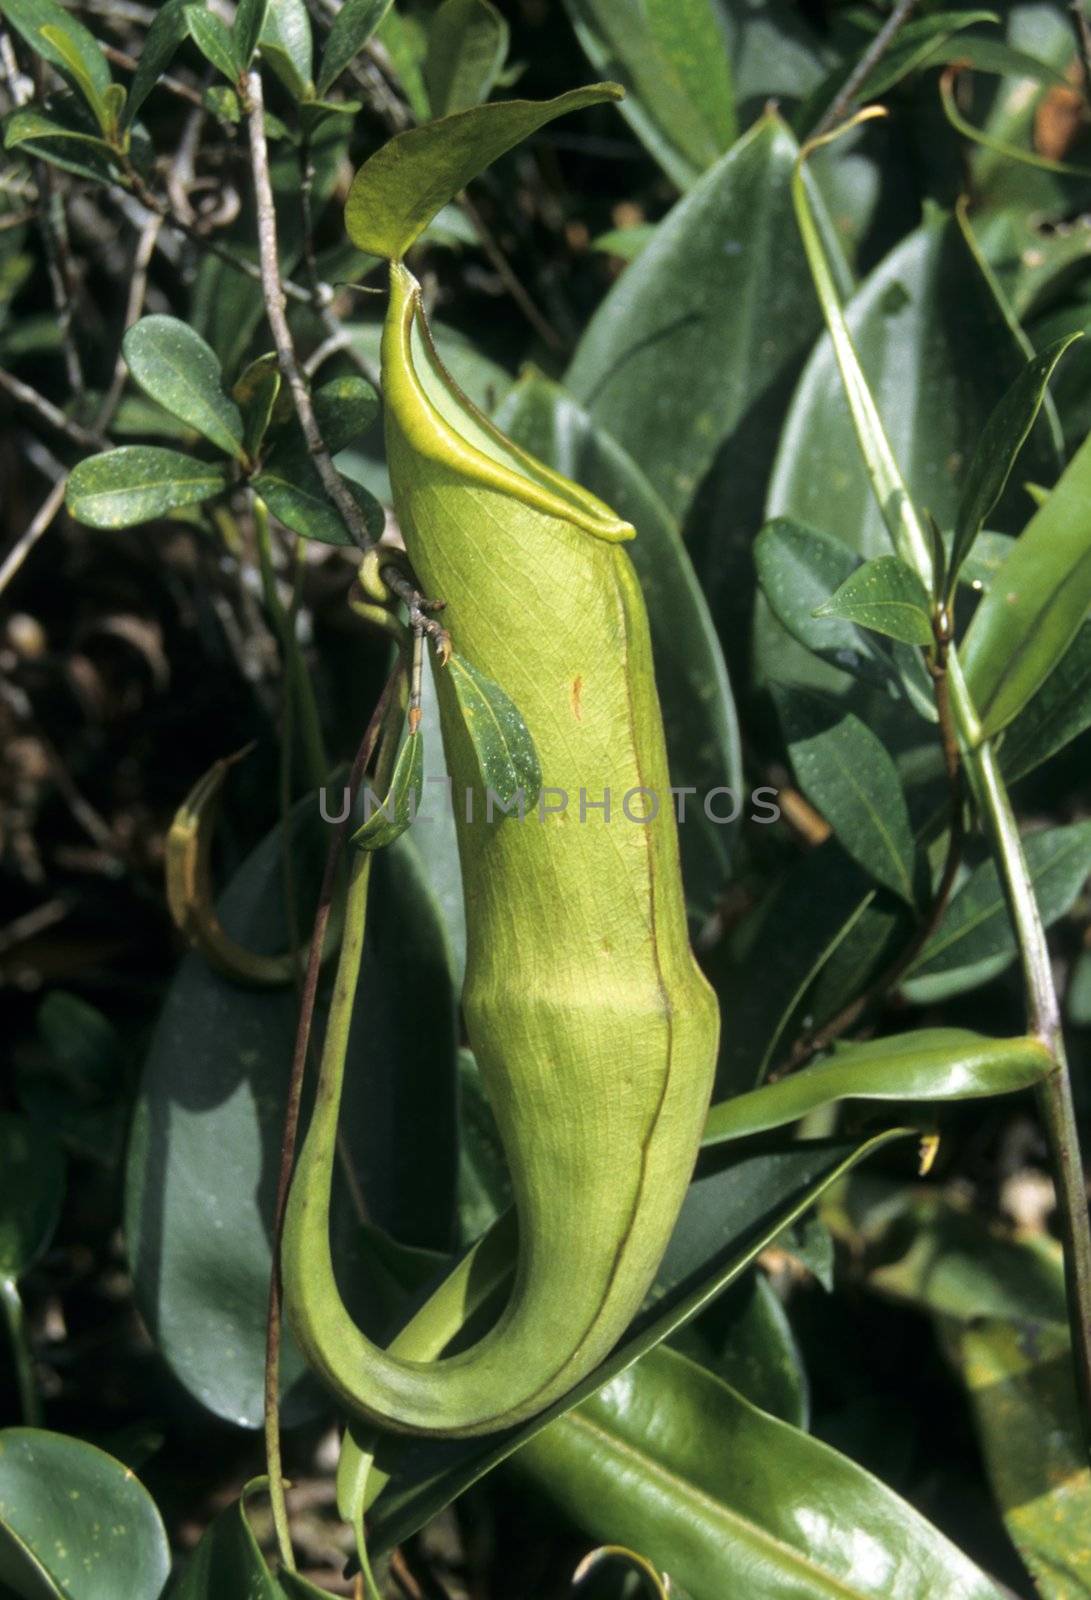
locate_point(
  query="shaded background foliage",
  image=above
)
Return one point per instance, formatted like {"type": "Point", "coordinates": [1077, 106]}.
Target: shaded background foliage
{"type": "Point", "coordinates": [651, 267]}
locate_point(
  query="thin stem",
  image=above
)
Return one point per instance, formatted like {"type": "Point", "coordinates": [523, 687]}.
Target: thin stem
{"type": "Point", "coordinates": [273, 290]}
{"type": "Point", "coordinates": [510, 279]}
{"type": "Point", "coordinates": [29, 1401]}
{"type": "Point", "coordinates": [867, 63]}
{"type": "Point", "coordinates": [300, 688]}
{"type": "Point", "coordinates": [52, 415]}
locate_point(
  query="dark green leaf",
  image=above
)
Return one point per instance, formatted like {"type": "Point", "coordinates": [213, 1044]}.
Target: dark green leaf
{"type": "Point", "coordinates": [1031, 614]}
{"type": "Point", "coordinates": [292, 489]}
{"type": "Point", "coordinates": [845, 770]}
{"type": "Point", "coordinates": [255, 393]}
{"type": "Point", "coordinates": [505, 751]}
{"type": "Point", "coordinates": [288, 46]}
{"type": "Point", "coordinates": [30, 1202]}
{"type": "Point", "coordinates": [1057, 714]}
{"type": "Point", "coordinates": [137, 483]}
{"type": "Point", "coordinates": [395, 811]}
{"type": "Point", "coordinates": [160, 42]}
{"type": "Point", "coordinates": [81, 48]}
{"type": "Point", "coordinates": [698, 708]}
{"type": "Point", "coordinates": [228, 1562]}
{"type": "Point", "coordinates": [177, 368]}
{"type": "Point", "coordinates": [886, 596]}
{"type": "Point", "coordinates": [398, 191]}
{"type": "Point", "coordinates": [344, 409]}
{"type": "Point", "coordinates": [352, 27]}
{"type": "Point", "coordinates": [215, 41]}
{"type": "Point", "coordinates": [799, 570]}
{"type": "Point", "coordinates": [931, 1064]}
{"type": "Point", "coordinates": [1006, 432]}
{"type": "Point", "coordinates": [44, 135]}
{"type": "Point", "coordinates": [467, 44]}
{"type": "Point", "coordinates": [653, 1460]}
{"type": "Point", "coordinates": [79, 67]}
{"type": "Point", "coordinates": [249, 21]}
{"type": "Point", "coordinates": [976, 930]}
{"type": "Point", "coordinates": [73, 1521]}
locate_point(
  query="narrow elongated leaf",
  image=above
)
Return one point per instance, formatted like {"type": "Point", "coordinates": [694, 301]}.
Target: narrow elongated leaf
{"type": "Point", "coordinates": [396, 810]}
{"type": "Point", "coordinates": [137, 483]}
{"type": "Point", "coordinates": [886, 596]}
{"type": "Point", "coordinates": [28, 124]}
{"type": "Point", "coordinates": [1006, 432]}
{"type": "Point", "coordinates": [177, 368]}
{"type": "Point", "coordinates": [396, 193]}
{"type": "Point", "coordinates": [845, 770]}
{"type": "Point", "coordinates": [78, 66]}
{"type": "Point", "coordinates": [653, 1460]}
{"type": "Point", "coordinates": [505, 750]}
{"type": "Point", "coordinates": [352, 27]}
{"type": "Point", "coordinates": [292, 489]}
{"type": "Point", "coordinates": [1031, 614]}
{"type": "Point", "coordinates": [30, 17]}
{"type": "Point", "coordinates": [932, 1064]}
{"type": "Point", "coordinates": [249, 21]}
{"type": "Point", "coordinates": [160, 42]}
{"type": "Point", "coordinates": [977, 927]}
{"type": "Point", "coordinates": [467, 44]}
{"type": "Point", "coordinates": [215, 41]}
{"type": "Point", "coordinates": [288, 45]}
{"type": "Point", "coordinates": [255, 393]}
{"type": "Point", "coordinates": [1057, 714]}
{"type": "Point", "coordinates": [691, 677]}
{"type": "Point", "coordinates": [73, 1521]}
{"type": "Point", "coordinates": [30, 1202]}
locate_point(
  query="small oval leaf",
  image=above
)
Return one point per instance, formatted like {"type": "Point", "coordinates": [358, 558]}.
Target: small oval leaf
{"type": "Point", "coordinates": [175, 366]}
{"type": "Point", "coordinates": [352, 28]}
{"type": "Point", "coordinates": [138, 482]}
{"type": "Point", "coordinates": [886, 596]}
{"type": "Point", "coordinates": [501, 739]}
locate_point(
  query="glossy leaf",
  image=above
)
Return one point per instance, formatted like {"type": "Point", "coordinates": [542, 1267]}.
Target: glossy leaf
{"type": "Point", "coordinates": [1006, 432]}
{"type": "Point", "coordinates": [249, 21]}
{"type": "Point", "coordinates": [976, 930]}
{"type": "Point", "coordinates": [73, 1521]}
{"type": "Point", "coordinates": [1024, 1399]}
{"type": "Point", "coordinates": [30, 1202]}
{"type": "Point", "coordinates": [728, 1217]}
{"type": "Point", "coordinates": [846, 772]}
{"type": "Point", "coordinates": [395, 811]}
{"type": "Point", "coordinates": [351, 29]}
{"type": "Point", "coordinates": [62, 139]}
{"type": "Point", "coordinates": [177, 368]}
{"type": "Point", "coordinates": [671, 58]}
{"type": "Point", "coordinates": [467, 44]}
{"type": "Point", "coordinates": [137, 483]}
{"type": "Point", "coordinates": [653, 1460]}
{"type": "Point", "coordinates": [501, 739]}
{"type": "Point", "coordinates": [256, 393]}
{"type": "Point", "coordinates": [667, 366]}
{"type": "Point", "coordinates": [1057, 714]}
{"type": "Point", "coordinates": [78, 64]}
{"type": "Point", "coordinates": [162, 39]}
{"type": "Point", "coordinates": [931, 1064]}
{"type": "Point", "coordinates": [291, 488]}
{"type": "Point", "coordinates": [68, 46]}
{"type": "Point", "coordinates": [215, 41]}
{"type": "Point", "coordinates": [208, 1122]}
{"type": "Point", "coordinates": [398, 191]}
{"type": "Point", "coordinates": [288, 46]}
{"type": "Point", "coordinates": [698, 708]}
{"type": "Point", "coordinates": [1031, 614]}
{"type": "Point", "coordinates": [228, 1561]}
{"type": "Point", "coordinates": [886, 596]}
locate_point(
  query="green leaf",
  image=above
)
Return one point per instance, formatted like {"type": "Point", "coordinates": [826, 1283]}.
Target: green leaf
{"type": "Point", "coordinates": [397, 809]}
{"type": "Point", "coordinates": [209, 1118]}
{"type": "Point", "coordinates": [403, 38]}
{"type": "Point", "coordinates": [698, 708]}
{"type": "Point", "coordinates": [730, 1214]}
{"type": "Point", "coordinates": [73, 1521]}
{"type": "Point", "coordinates": [292, 489]}
{"type": "Point", "coordinates": [30, 1204]}
{"type": "Point", "coordinates": [1057, 714]}
{"type": "Point", "coordinates": [228, 1561]}
{"type": "Point", "coordinates": [352, 28]}
{"type": "Point", "coordinates": [249, 21]}
{"type": "Point", "coordinates": [976, 930]}
{"type": "Point", "coordinates": [77, 65]}
{"type": "Point", "coordinates": [162, 39]}
{"type": "Point", "coordinates": [931, 1064]}
{"type": "Point", "coordinates": [288, 46]}
{"type": "Point", "coordinates": [344, 409]}
{"type": "Point", "coordinates": [175, 366]}
{"type": "Point", "coordinates": [672, 60]}
{"type": "Point", "coordinates": [137, 483]}
{"type": "Point", "coordinates": [886, 596]}
{"type": "Point", "coordinates": [626, 243]}
{"type": "Point", "coordinates": [501, 739]}
{"type": "Point", "coordinates": [398, 191]}
{"type": "Point", "coordinates": [1033, 611]}
{"type": "Point", "coordinates": [67, 45]}
{"type": "Point", "coordinates": [255, 393]}
{"type": "Point", "coordinates": [845, 770]}
{"type": "Point", "coordinates": [467, 44]}
{"type": "Point", "coordinates": [215, 41]}
{"type": "Point", "coordinates": [1006, 432]}
{"type": "Point", "coordinates": [668, 1458]}
{"type": "Point", "coordinates": [1024, 1399]}
{"type": "Point", "coordinates": [30, 128]}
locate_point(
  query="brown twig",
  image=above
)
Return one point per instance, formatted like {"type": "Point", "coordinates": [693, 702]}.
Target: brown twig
{"type": "Point", "coordinates": [273, 290]}
{"type": "Point", "coordinates": [863, 69]}
{"type": "Point", "coordinates": [128, 63]}
{"type": "Point", "coordinates": [86, 438]}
